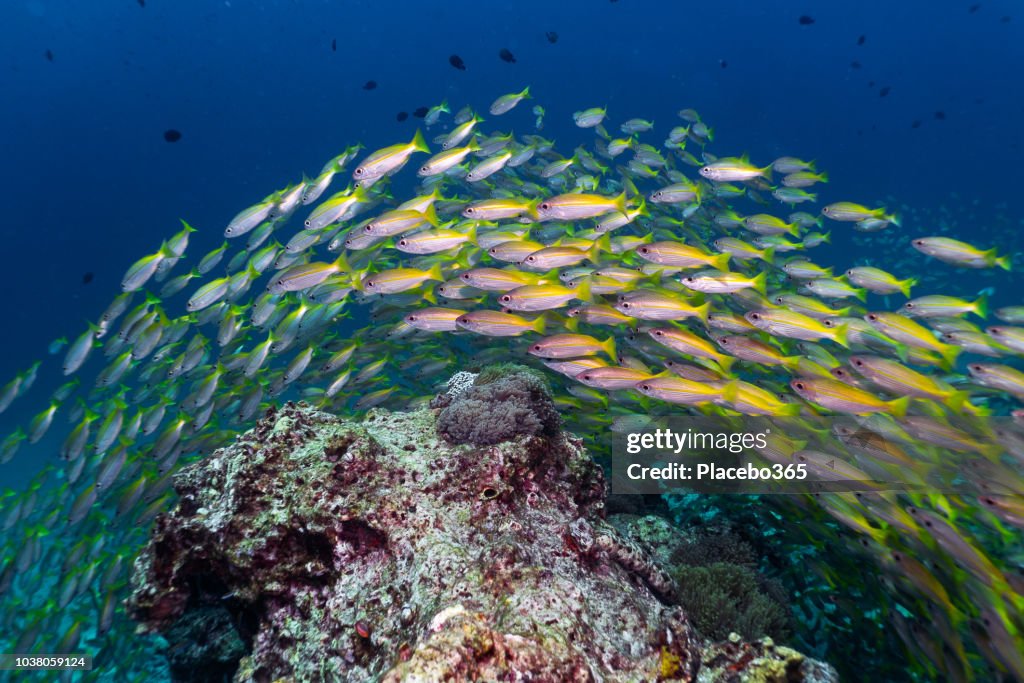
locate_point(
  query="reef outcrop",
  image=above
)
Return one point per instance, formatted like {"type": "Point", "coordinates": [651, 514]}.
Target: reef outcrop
{"type": "Point", "coordinates": [316, 548]}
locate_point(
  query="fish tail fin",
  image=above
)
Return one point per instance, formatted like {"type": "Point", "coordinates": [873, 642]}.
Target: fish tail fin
{"type": "Point", "coordinates": [430, 295]}
{"type": "Point", "coordinates": [789, 410]}
{"type": "Point", "coordinates": [525, 94]}
{"type": "Point", "coordinates": [462, 259]}
{"type": "Point", "coordinates": [418, 143]}
{"type": "Point", "coordinates": [703, 311]}
{"type": "Point", "coordinates": [730, 390]}
{"type": "Point", "coordinates": [430, 214]}
{"type": "Point", "coordinates": [793, 229]}
{"type": "Point", "coordinates": [721, 261]}
{"type": "Point", "coordinates": [582, 290]}
{"type": "Point", "coordinates": [531, 208]}
{"type": "Point", "coordinates": [572, 324]}
{"type": "Point", "coordinates": [981, 306]}
{"type": "Point", "coordinates": [187, 227]}
{"type": "Point", "coordinates": [608, 346]}
{"type": "Point", "coordinates": [342, 263]}
{"type": "Point", "coordinates": [895, 218]}
{"type": "Point", "coordinates": [471, 233]}
{"type": "Point", "coordinates": [949, 355]}
{"type": "Point", "coordinates": [435, 272]}
{"type": "Point", "coordinates": [473, 145]}
{"type": "Point", "coordinates": [620, 203]}
{"type": "Point", "coordinates": [768, 256]}
{"type": "Point", "coordinates": [766, 172]}
{"type": "Point", "coordinates": [839, 335]}
{"type": "Point", "coordinates": [905, 285]}
{"type": "Point", "coordinates": [760, 283]}
{"type": "Point", "coordinates": [1003, 262]}
{"type": "Point", "coordinates": [861, 294]}
{"type": "Point", "coordinates": [899, 406]}
{"type": "Point", "coordinates": [601, 244]}
{"type": "Point", "coordinates": [540, 323]}
{"type": "Point", "coordinates": [823, 177]}
{"type": "Point", "coordinates": [725, 362]}
{"type": "Point", "coordinates": [629, 186]}
{"type": "Point", "coordinates": [956, 400]}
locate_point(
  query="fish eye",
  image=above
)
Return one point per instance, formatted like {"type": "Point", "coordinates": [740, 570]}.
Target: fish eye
{"type": "Point", "coordinates": [625, 304]}
{"type": "Point", "coordinates": [425, 169]}
{"type": "Point", "coordinates": [755, 316]}
{"type": "Point", "coordinates": [778, 299]}
{"type": "Point", "coordinates": [368, 228]}
{"type": "Point", "coordinates": [799, 385]}
{"type": "Point", "coordinates": [645, 387]}
{"type": "Point", "coordinates": [659, 333]}
{"type": "Point", "coordinates": [872, 317]}
{"type": "Point", "coordinates": [531, 259]}
{"type": "Point", "coordinates": [307, 222]}
{"type": "Point", "coordinates": [360, 171]}
{"type": "Point", "coordinates": [370, 283]}
{"type": "Point", "coordinates": [858, 362]}
{"type": "Point", "coordinates": [505, 298]}
{"type": "Point", "coordinates": [470, 210]}
{"type": "Point", "coordinates": [464, 276]}
{"type": "Point", "coordinates": [403, 243]}
{"type": "Point", "coordinates": [724, 341]}
{"type": "Point", "coordinates": [544, 206]}
{"type": "Point", "coordinates": [908, 305]}
{"type": "Point", "coordinates": [536, 347]}
{"type": "Point", "coordinates": [587, 377]}
{"type": "Point", "coordinates": [643, 250]}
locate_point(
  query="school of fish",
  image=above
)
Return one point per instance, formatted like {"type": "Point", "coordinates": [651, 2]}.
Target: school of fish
{"type": "Point", "coordinates": [648, 275]}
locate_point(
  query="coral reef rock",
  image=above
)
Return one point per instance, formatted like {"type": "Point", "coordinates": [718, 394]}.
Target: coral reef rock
{"type": "Point", "coordinates": [320, 549]}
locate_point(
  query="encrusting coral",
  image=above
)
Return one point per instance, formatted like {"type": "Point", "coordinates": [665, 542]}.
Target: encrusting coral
{"type": "Point", "coordinates": [378, 550]}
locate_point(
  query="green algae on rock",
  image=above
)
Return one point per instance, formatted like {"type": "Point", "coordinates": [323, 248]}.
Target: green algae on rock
{"type": "Point", "coordinates": [375, 550]}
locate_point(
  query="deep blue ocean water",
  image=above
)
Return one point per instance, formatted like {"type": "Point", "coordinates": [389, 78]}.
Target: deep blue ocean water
{"type": "Point", "coordinates": [260, 97]}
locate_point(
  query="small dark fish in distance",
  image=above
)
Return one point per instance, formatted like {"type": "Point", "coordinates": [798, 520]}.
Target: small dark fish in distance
{"type": "Point", "coordinates": [49, 55]}
{"type": "Point", "coordinates": [860, 41]}
{"type": "Point", "coordinates": [506, 55]}
{"type": "Point", "coordinates": [370, 85]}
{"type": "Point", "coordinates": [974, 8]}
{"type": "Point", "coordinates": [457, 62]}
{"type": "Point", "coordinates": [855, 64]}
{"type": "Point", "coordinates": [722, 63]}
{"type": "Point", "coordinates": [172, 135]}
{"type": "Point", "coordinates": [334, 44]}
{"type": "Point", "coordinates": [1006, 19]}
{"type": "Point", "coordinates": [402, 116]}
{"type": "Point", "coordinates": [940, 115]}
{"type": "Point", "coordinates": [552, 37]}
{"type": "Point", "coordinates": [884, 91]}
{"type": "Point", "coordinates": [806, 20]}
{"type": "Point", "coordinates": [87, 277]}
{"type": "Point", "coordinates": [421, 112]}
{"type": "Point", "coordinates": [871, 84]}
{"type": "Point", "coordinates": [916, 123]}
{"type": "Point", "coordinates": [142, 3]}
